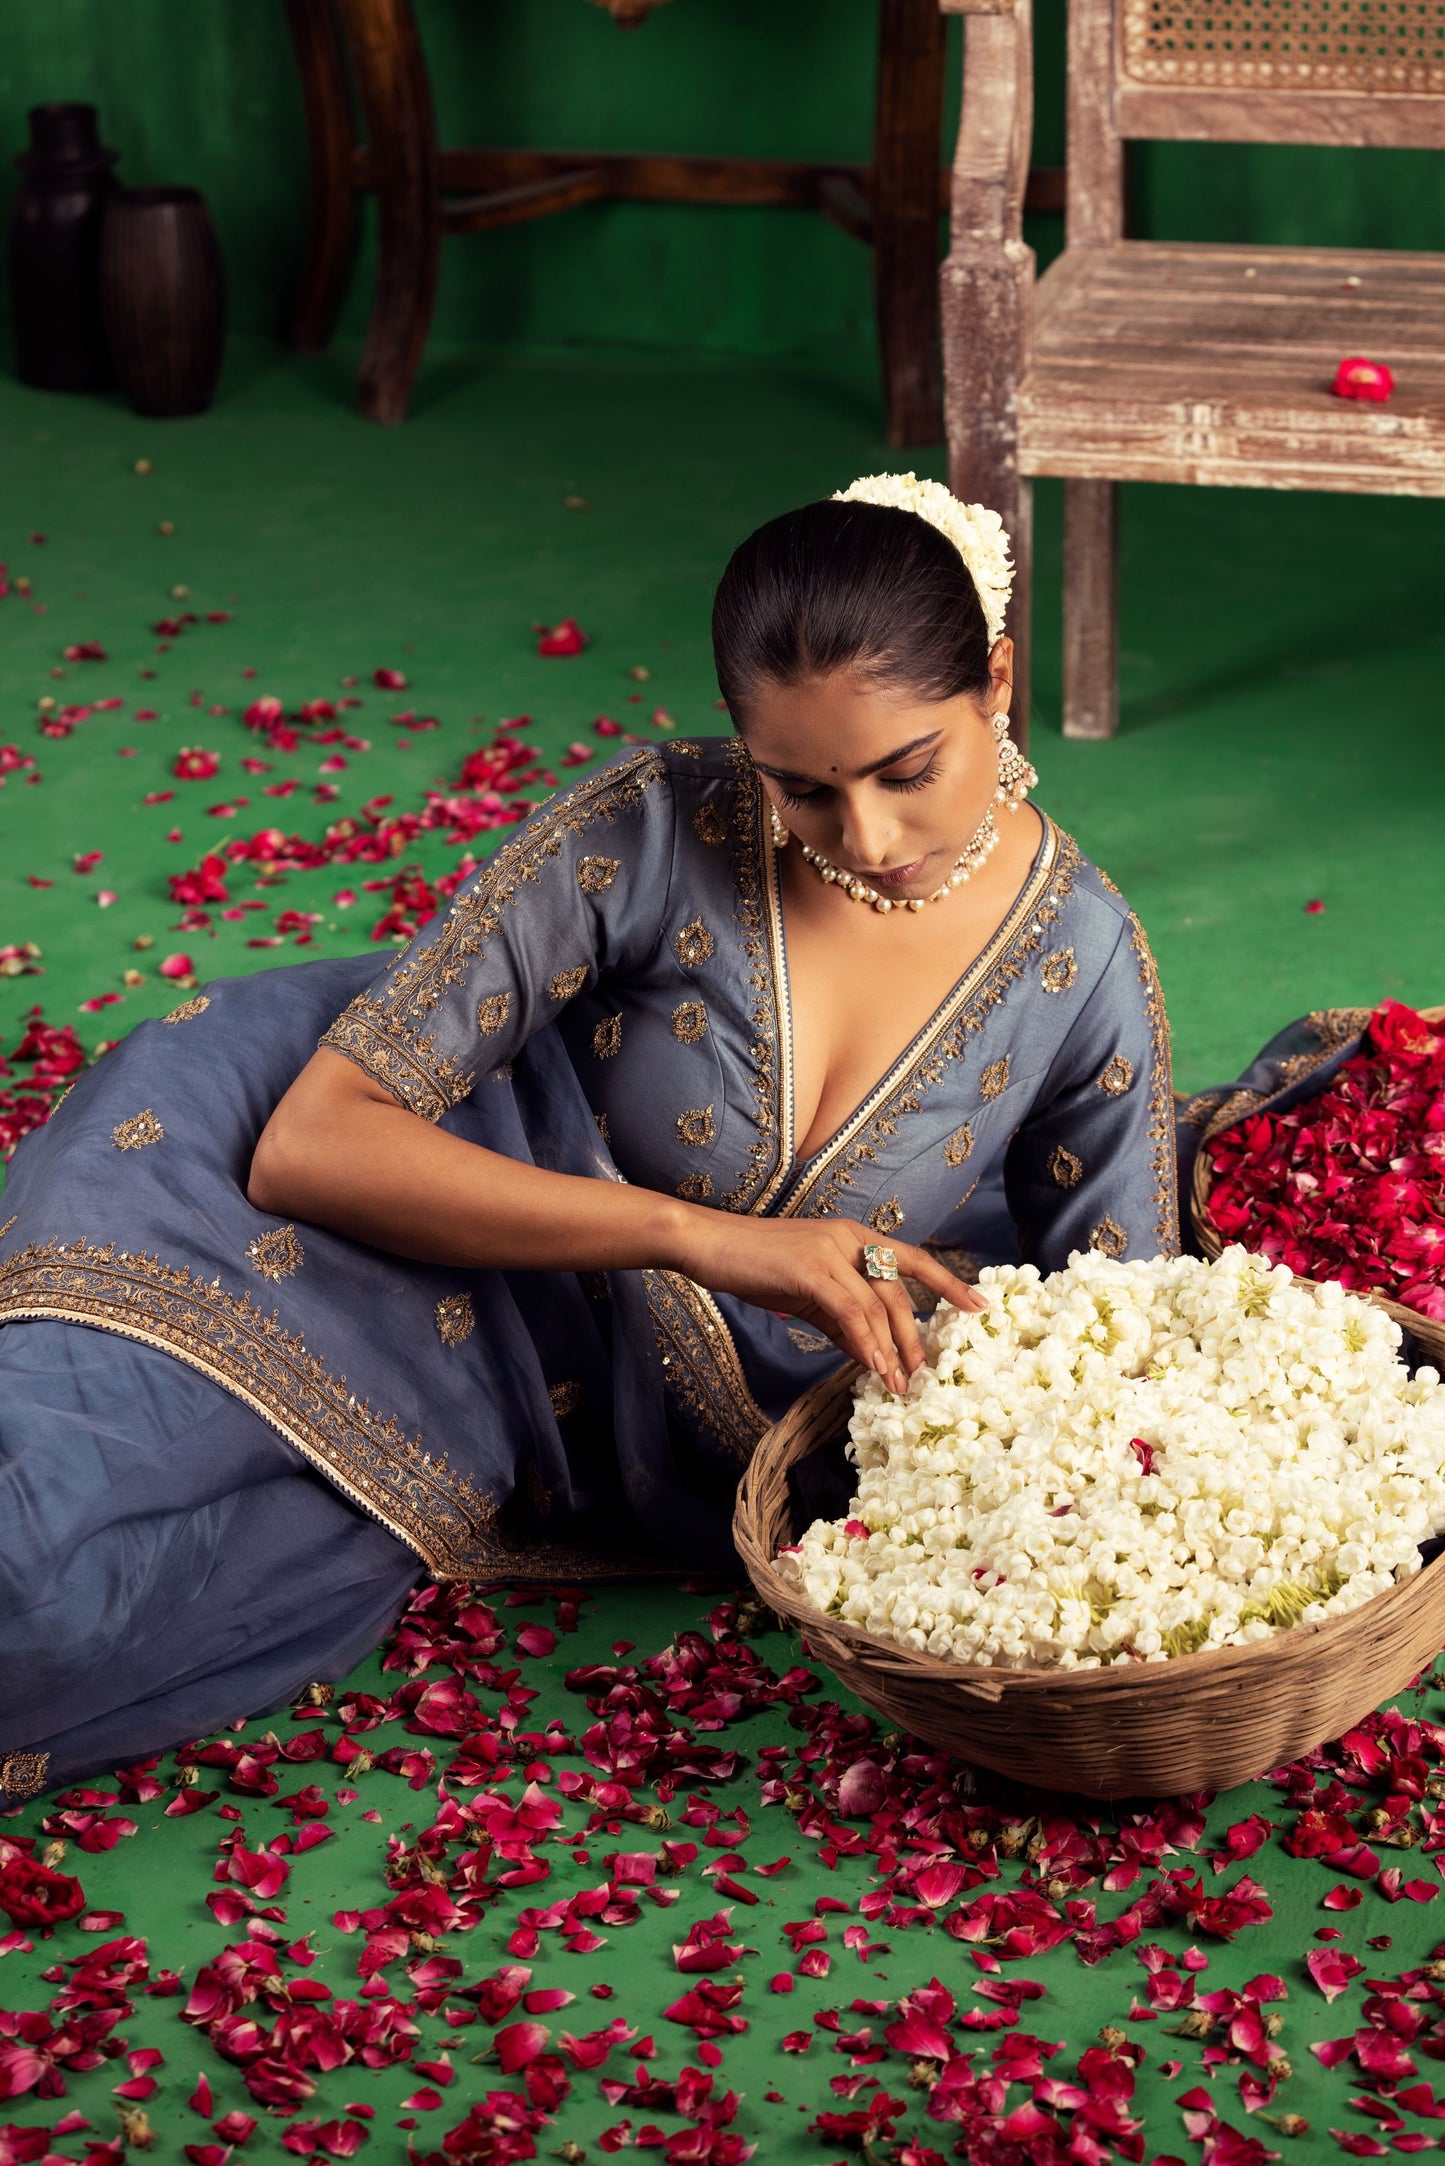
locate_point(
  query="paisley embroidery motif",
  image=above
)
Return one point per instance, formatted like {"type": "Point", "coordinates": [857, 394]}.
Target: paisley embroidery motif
{"type": "Point", "coordinates": [693, 945]}
{"type": "Point", "coordinates": [565, 1398]}
{"type": "Point", "coordinates": [492, 1013]}
{"type": "Point", "coordinates": [596, 873]}
{"type": "Point", "coordinates": [709, 825]}
{"type": "Point", "coordinates": [887, 1217]}
{"type": "Point", "coordinates": [1057, 972]}
{"type": "Point", "coordinates": [607, 1037]}
{"type": "Point", "coordinates": [1066, 1168]}
{"type": "Point", "coordinates": [696, 1188]}
{"type": "Point", "coordinates": [689, 1021]}
{"type": "Point", "coordinates": [568, 982]}
{"type": "Point", "coordinates": [959, 1146]}
{"type": "Point", "coordinates": [140, 1130]}
{"type": "Point", "coordinates": [1110, 1237]}
{"type": "Point", "coordinates": [22, 1774]}
{"type": "Point", "coordinates": [1117, 1076]}
{"type": "Point", "coordinates": [188, 1009]}
{"type": "Point", "coordinates": [277, 1254]}
{"type": "Point", "coordinates": [696, 1127]}
{"type": "Point", "coordinates": [994, 1080]}
{"type": "Point", "coordinates": [456, 1319]}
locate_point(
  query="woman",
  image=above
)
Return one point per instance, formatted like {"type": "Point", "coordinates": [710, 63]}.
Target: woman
{"type": "Point", "coordinates": [506, 1274]}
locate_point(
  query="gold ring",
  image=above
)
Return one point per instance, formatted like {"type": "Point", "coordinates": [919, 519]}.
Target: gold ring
{"type": "Point", "coordinates": [879, 1263]}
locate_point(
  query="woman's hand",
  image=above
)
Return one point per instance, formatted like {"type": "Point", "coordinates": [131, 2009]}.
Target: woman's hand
{"type": "Point", "coordinates": [813, 1268]}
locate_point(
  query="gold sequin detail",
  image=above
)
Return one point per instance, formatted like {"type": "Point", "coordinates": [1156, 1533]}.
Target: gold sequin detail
{"type": "Point", "coordinates": [696, 1127]}
{"type": "Point", "coordinates": [277, 1254]}
{"type": "Point", "coordinates": [137, 1132]}
{"type": "Point", "coordinates": [1161, 1099]}
{"type": "Point", "coordinates": [22, 1774]}
{"type": "Point", "coordinates": [1110, 1237]}
{"type": "Point", "coordinates": [709, 825]}
{"type": "Point", "coordinates": [1106, 881]}
{"type": "Point", "coordinates": [693, 945]}
{"type": "Point", "coordinates": [1118, 1076]}
{"type": "Point", "coordinates": [565, 1398]}
{"type": "Point", "coordinates": [994, 1080]}
{"type": "Point", "coordinates": [700, 1366]}
{"type": "Point", "coordinates": [492, 1013]}
{"type": "Point", "coordinates": [1057, 972]}
{"type": "Point", "coordinates": [696, 1188]}
{"type": "Point", "coordinates": [686, 746]}
{"type": "Point", "coordinates": [596, 873]}
{"type": "Point", "coordinates": [959, 1146]}
{"type": "Point", "coordinates": [607, 1037]}
{"type": "Point", "coordinates": [188, 1008]}
{"type": "Point", "coordinates": [689, 1021]}
{"type": "Point", "coordinates": [456, 1319]}
{"type": "Point", "coordinates": [887, 1217]}
{"type": "Point", "coordinates": [1066, 1168]}
{"type": "Point", "coordinates": [602, 1128]}
{"type": "Point", "coordinates": [568, 982]}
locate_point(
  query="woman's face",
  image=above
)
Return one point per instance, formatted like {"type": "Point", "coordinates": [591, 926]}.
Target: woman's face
{"type": "Point", "coordinates": [883, 784]}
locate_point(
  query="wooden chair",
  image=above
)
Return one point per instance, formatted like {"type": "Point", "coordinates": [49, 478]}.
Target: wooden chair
{"type": "Point", "coordinates": [1159, 361]}
{"type": "Point", "coordinates": [425, 193]}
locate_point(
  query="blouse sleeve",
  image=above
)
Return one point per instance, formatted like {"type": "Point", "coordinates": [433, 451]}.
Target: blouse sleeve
{"type": "Point", "coordinates": [580, 887]}
{"type": "Point", "coordinates": [1093, 1165]}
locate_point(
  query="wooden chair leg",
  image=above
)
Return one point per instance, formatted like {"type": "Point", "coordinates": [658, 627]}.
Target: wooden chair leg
{"type": "Point", "coordinates": [912, 38]}
{"type": "Point", "coordinates": [396, 95]}
{"type": "Point", "coordinates": [1091, 608]}
{"type": "Point", "coordinates": [331, 139]}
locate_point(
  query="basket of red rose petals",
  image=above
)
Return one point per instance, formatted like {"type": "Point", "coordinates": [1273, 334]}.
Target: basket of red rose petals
{"type": "Point", "coordinates": [1349, 1184]}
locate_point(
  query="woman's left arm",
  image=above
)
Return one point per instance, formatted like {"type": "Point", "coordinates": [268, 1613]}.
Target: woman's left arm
{"type": "Point", "coordinates": [1093, 1166]}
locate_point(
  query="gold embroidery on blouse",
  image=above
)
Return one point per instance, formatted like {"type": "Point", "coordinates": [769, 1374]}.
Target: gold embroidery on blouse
{"type": "Point", "coordinates": [693, 945]}
{"type": "Point", "coordinates": [700, 1364]}
{"type": "Point", "coordinates": [758, 913]}
{"type": "Point", "coordinates": [1161, 1099]}
{"type": "Point", "coordinates": [22, 1774]}
{"type": "Point", "coordinates": [887, 1217]}
{"type": "Point", "coordinates": [1002, 964]}
{"type": "Point", "coordinates": [696, 1188]}
{"type": "Point", "coordinates": [808, 1342]}
{"type": "Point", "coordinates": [607, 1037]}
{"type": "Point", "coordinates": [492, 1013]}
{"type": "Point", "coordinates": [1066, 1168]}
{"type": "Point", "coordinates": [959, 1146]}
{"type": "Point", "coordinates": [1110, 1237]}
{"type": "Point", "coordinates": [994, 1080]}
{"type": "Point", "coordinates": [383, 1036]}
{"type": "Point", "coordinates": [596, 873]}
{"type": "Point", "coordinates": [963, 1199]}
{"type": "Point", "coordinates": [456, 1319]}
{"type": "Point", "coordinates": [188, 1008]}
{"type": "Point", "coordinates": [696, 1127]}
{"type": "Point", "coordinates": [1106, 881]}
{"type": "Point", "coordinates": [137, 1132]}
{"type": "Point", "coordinates": [689, 1021]}
{"type": "Point", "coordinates": [686, 747]}
{"type": "Point", "coordinates": [568, 982]}
{"type": "Point", "coordinates": [1117, 1076]}
{"type": "Point", "coordinates": [8, 1224]}
{"type": "Point", "coordinates": [565, 1398]}
{"type": "Point", "coordinates": [709, 825]}
{"type": "Point", "coordinates": [1057, 972]}
{"type": "Point", "coordinates": [602, 1129]}
{"type": "Point", "coordinates": [277, 1254]}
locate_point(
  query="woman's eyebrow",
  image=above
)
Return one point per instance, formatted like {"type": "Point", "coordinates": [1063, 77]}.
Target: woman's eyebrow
{"type": "Point", "coordinates": [790, 774]}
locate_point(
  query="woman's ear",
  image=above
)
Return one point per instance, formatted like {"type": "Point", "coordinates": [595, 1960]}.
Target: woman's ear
{"type": "Point", "coordinates": [1001, 671]}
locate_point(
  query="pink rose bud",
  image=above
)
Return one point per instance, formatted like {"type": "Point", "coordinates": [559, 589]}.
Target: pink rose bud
{"type": "Point", "coordinates": [1359, 378]}
{"type": "Point", "coordinates": [177, 966]}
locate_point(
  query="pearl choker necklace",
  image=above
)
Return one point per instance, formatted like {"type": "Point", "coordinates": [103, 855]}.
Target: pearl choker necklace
{"type": "Point", "coordinates": [983, 841]}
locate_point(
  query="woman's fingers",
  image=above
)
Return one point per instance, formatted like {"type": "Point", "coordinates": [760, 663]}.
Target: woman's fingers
{"type": "Point", "coordinates": [920, 1265]}
{"type": "Point", "coordinates": [904, 1328]}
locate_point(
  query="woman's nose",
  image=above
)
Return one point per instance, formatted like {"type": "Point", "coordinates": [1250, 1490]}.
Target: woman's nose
{"type": "Point", "coordinates": [868, 832]}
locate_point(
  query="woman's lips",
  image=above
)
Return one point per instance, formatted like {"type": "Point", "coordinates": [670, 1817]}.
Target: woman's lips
{"type": "Point", "coordinates": [897, 875]}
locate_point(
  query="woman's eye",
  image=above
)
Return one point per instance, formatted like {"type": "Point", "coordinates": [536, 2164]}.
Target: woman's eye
{"type": "Point", "coordinates": [917, 781]}
{"type": "Point", "coordinates": [797, 797]}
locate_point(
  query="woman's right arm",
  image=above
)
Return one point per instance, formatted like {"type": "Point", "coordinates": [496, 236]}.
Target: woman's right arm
{"type": "Point", "coordinates": [340, 1151]}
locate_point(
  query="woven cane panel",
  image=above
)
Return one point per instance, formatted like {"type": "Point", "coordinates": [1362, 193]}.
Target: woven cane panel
{"type": "Point", "coordinates": [1374, 45]}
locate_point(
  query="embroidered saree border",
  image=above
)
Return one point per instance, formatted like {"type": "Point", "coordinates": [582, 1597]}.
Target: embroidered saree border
{"type": "Point", "coordinates": [1161, 1097]}
{"type": "Point", "coordinates": [450, 1523]}
{"type": "Point", "coordinates": [700, 1362]}
{"type": "Point", "coordinates": [762, 948]}
{"type": "Point", "coordinates": [384, 1036]}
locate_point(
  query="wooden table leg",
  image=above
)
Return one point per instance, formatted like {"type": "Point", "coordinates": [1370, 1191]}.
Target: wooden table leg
{"type": "Point", "coordinates": [1091, 608]}
{"type": "Point", "coordinates": [321, 60]}
{"type": "Point", "coordinates": [912, 38]}
{"type": "Point", "coordinates": [391, 77]}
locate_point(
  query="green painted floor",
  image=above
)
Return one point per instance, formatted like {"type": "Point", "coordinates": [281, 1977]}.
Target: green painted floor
{"type": "Point", "coordinates": [1281, 743]}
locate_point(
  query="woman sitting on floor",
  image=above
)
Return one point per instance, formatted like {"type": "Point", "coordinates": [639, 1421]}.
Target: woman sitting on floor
{"type": "Point", "coordinates": [506, 1276]}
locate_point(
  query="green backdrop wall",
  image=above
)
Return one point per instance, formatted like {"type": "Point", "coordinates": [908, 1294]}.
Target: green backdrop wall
{"type": "Point", "coordinates": [206, 94]}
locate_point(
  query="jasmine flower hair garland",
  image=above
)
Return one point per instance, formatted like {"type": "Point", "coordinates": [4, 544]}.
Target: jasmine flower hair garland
{"type": "Point", "coordinates": [976, 532]}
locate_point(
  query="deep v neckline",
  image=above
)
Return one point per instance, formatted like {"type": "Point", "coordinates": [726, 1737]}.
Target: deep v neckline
{"type": "Point", "coordinates": [793, 1177]}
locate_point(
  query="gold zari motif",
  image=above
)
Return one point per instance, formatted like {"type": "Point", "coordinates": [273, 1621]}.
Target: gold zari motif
{"type": "Point", "coordinates": [696, 1188]}
{"type": "Point", "coordinates": [761, 942]}
{"type": "Point", "coordinates": [565, 1398]}
{"type": "Point", "coordinates": [887, 1217]}
{"type": "Point", "coordinates": [607, 1037]}
{"type": "Point", "coordinates": [12, 1220]}
{"type": "Point", "coordinates": [456, 1319]}
{"type": "Point", "coordinates": [689, 1021]}
{"type": "Point", "coordinates": [188, 1009]}
{"type": "Point", "coordinates": [22, 1774]}
{"type": "Point", "coordinates": [693, 945]}
{"type": "Point", "coordinates": [1110, 1237]}
{"type": "Point", "coordinates": [959, 1146]}
{"type": "Point", "coordinates": [994, 1080]}
{"type": "Point", "coordinates": [137, 1132]}
{"type": "Point", "coordinates": [1057, 972]}
{"type": "Point", "coordinates": [568, 982]}
{"type": "Point", "coordinates": [1117, 1076]}
{"type": "Point", "coordinates": [709, 825]}
{"type": "Point", "coordinates": [1065, 1166]}
{"type": "Point", "coordinates": [596, 873]}
{"type": "Point", "coordinates": [277, 1254]}
{"type": "Point", "coordinates": [696, 1127]}
{"type": "Point", "coordinates": [1161, 1100]}
{"type": "Point", "coordinates": [492, 1013]}
{"type": "Point", "coordinates": [700, 1363]}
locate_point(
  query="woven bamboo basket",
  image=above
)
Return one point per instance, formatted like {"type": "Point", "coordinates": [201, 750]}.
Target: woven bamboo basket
{"type": "Point", "coordinates": [1159, 1729]}
{"type": "Point", "coordinates": [1429, 1335]}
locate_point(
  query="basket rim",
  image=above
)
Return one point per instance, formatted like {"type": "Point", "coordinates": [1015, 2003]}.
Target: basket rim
{"type": "Point", "coordinates": [1299, 1643]}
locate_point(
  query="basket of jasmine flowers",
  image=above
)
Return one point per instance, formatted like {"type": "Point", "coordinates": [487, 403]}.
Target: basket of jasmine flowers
{"type": "Point", "coordinates": [1134, 1529]}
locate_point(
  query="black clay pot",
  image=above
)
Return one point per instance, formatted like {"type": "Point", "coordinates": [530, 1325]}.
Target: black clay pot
{"type": "Point", "coordinates": [55, 227]}
{"type": "Point", "coordinates": [163, 298]}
